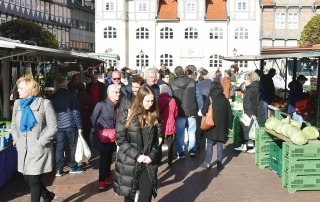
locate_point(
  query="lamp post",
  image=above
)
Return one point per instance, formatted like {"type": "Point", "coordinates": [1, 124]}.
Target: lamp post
{"type": "Point", "coordinates": [234, 51]}
{"type": "Point", "coordinates": [141, 55]}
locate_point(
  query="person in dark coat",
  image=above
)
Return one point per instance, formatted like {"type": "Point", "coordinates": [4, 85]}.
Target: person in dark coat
{"type": "Point", "coordinates": [96, 89]}
{"type": "Point", "coordinates": [268, 91]}
{"type": "Point", "coordinates": [252, 106]}
{"type": "Point", "coordinates": [137, 132]}
{"type": "Point", "coordinates": [104, 117]}
{"type": "Point", "coordinates": [86, 108]}
{"type": "Point", "coordinates": [222, 117]}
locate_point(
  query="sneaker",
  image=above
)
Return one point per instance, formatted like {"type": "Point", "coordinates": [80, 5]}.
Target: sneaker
{"type": "Point", "coordinates": [181, 156]}
{"type": "Point", "coordinates": [102, 185]}
{"type": "Point", "coordinates": [251, 151]}
{"type": "Point", "coordinates": [109, 180]}
{"type": "Point", "coordinates": [192, 153]}
{"type": "Point", "coordinates": [219, 166]}
{"type": "Point", "coordinates": [59, 173]}
{"type": "Point", "coordinates": [205, 166]}
{"type": "Point", "coordinates": [243, 147]}
{"type": "Point", "coordinates": [76, 170]}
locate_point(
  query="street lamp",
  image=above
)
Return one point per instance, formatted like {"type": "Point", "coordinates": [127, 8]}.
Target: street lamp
{"type": "Point", "coordinates": [141, 55]}
{"type": "Point", "coordinates": [234, 51]}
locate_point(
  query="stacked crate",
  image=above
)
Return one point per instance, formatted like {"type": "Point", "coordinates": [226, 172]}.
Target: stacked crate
{"type": "Point", "coordinates": [301, 167]}
{"type": "Point", "coordinates": [262, 143]}
{"type": "Point", "coordinates": [275, 157]}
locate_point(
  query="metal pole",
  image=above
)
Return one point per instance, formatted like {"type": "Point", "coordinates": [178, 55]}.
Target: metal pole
{"type": "Point", "coordinates": [318, 93]}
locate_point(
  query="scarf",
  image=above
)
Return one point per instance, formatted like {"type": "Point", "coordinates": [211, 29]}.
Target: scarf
{"type": "Point", "coordinates": [27, 118]}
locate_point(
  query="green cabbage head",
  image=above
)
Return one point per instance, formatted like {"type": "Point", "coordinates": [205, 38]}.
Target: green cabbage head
{"type": "Point", "coordinates": [311, 132]}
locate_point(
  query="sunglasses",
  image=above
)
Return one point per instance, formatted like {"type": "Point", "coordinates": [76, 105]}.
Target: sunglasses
{"type": "Point", "coordinates": [115, 78]}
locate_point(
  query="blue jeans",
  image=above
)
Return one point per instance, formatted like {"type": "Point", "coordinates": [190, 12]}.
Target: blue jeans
{"type": "Point", "coordinates": [265, 109]}
{"type": "Point", "coordinates": [71, 135]}
{"type": "Point", "coordinates": [190, 124]}
{"type": "Point", "coordinates": [209, 152]}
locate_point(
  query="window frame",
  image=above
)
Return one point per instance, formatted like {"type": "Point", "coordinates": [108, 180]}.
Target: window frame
{"type": "Point", "coordinates": [191, 7]}
{"type": "Point", "coordinates": [109, 32]}
{"type": "Point", "coordinates": [215, 61]}
{"type": "Point", "coordinates": [142, 33]}
{"type": "Point", "coordinates": [143, 59]}
{"type": "Point", "coordinates": [166, 33]}
{"type": "Point", "coordinates": [241, 33]}
{"type": "Point", "coordinates": [166, 59]}
{"type": "Point", "coordinates": [191, 33]}
{"type": "Point", "coordinates": [280, 20]}
{"type": "Point", "coordinates": [242, 5]}
{"type": "Point", "coordinates": [216, 33]}
{"type": "Point", "coordinates": [293, 20]}
{"type": "Point", "coordinates": [110, 6]}
{"type": "Point", "coordinates": [142, 7]}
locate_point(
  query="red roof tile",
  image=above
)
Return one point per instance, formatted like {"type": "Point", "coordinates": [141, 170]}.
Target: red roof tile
{"type": "Point", "coordinates": [267, 2]}
{"type": "Point", "coordinates": [168, 9]}
{"type": "Point", "coordinates": [216, 10]}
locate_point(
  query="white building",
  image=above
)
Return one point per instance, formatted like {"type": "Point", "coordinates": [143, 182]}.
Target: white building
{"type": "Point", "coordinates": [186, 32]}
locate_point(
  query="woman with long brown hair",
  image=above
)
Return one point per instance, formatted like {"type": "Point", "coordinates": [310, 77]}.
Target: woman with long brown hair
{"type": "Point", "coordinates": [137, 132]}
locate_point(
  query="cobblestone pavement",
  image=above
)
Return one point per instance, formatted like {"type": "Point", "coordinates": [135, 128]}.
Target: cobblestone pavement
{"type": "Point", "coordinates": [240, 180]}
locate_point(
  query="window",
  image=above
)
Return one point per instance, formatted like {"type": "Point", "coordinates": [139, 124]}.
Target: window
{"type": "Point", "coordinates": [191, 7]}
{"type": "Point", "coordinates": [280, 20]}
{"type": "Point", "coordinates": [242, 64]}
{"type": "Point", "coordinates": [241, 6]}
{"type": "Point", "coordinates": [166, 33]}
{"type": "Point", "coordinates": [241, 33]}
{"type": "Point", "coordinates": [110, 6]}
{"type": "Point", "coordinates": [2, 20]}
{"type": "Point", "coordinates": [191, 33]}
{"type": "Point", "coordinates": [142, 33]}
{"type": "Point", "coordinates": [292, 20]}
{"type": "Point", "coordinates": [215, 61]}
{"type": "Point", "coordinates": [75, 23]}
{"type": "Point", "coordinates": [216, 33]}
{"type": "Point", "coordinates": [142, 7]}
{"type": "Point", "coordinates": [142, 61]}
{"type": "Point", "coordinates": [110, 32]}
{"type": "Point", "coordinates": [166, 59]}
{"type": "Point", "coordinates": [92, 29]}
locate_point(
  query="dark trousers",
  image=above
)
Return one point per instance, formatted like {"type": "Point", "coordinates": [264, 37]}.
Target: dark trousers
{"type": "Point", "coordinates": [71, 135]}
{"type": "Point", "coordinates": [145, 187]}
{"type": "Point", "coordinates": [37, 188]}
{"type": "Point", "coordinates": [105, 163]}
{"type": "Point", "coordinates": [170, 142]}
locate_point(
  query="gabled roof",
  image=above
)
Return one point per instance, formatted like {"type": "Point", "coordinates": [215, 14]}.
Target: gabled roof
{"type": "Point", "coordinates": [216, 10]}
{"type": "Point", "coordinates": [168, 10]}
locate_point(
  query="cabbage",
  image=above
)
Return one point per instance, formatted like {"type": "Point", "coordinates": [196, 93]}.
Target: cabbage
{"type": "Point", "coordinates": [270, 122]}
{"type": "Point", "coordinates": [295, 123]}
{"type": "Point", "coordinates": [284, 128]}
{"type": "Point", "coordinates": [311, 132]}
{"type": "Point", "coordinates": [286, 120]}
{"type": "Point", "coordinates": [277, 126]}
{"type": "Point", "coordinates": [292, 130]}
{"type": "Point", "coordinates": [299, 138]}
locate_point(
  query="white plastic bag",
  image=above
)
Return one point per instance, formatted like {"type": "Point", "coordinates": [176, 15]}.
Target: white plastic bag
{"type": "Point", "coordinates": [245, 119]}
{"type": "Point", "coordinates": [83, 152]}
{"type": "Point", "coordinates": [252, 132]}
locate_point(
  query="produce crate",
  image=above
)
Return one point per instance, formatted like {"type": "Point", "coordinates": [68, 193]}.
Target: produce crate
{"type": "Point", "coordinates": [304, 182]}
{"type": "Point", "coordinates": [262, 136]}
{"type": "Point", "coordinates": [275, 157]}
{"type": "Point", "coordinates": [301, 167]}
{"type": "Point", "coordinates": [296, 152]}
{"type": "Point", "coordinates": [262, 160]}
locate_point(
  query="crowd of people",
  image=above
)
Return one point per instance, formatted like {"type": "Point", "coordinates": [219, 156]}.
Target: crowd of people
{"type": "Point", "coordinates": [162, 107]}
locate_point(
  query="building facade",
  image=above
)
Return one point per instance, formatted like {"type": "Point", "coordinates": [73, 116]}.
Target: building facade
{"type": "Point", "coordinates": [70, 21]}
{"type": "Point", "coordinates": [147, 33]}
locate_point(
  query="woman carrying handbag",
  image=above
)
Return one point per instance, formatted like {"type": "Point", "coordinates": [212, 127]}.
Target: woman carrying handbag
{"type": "Point", "coordinates": [103, 119]}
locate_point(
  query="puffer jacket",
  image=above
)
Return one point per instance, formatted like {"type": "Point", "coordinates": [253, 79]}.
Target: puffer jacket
{"type": "Point", "coordinates": [130, 144]}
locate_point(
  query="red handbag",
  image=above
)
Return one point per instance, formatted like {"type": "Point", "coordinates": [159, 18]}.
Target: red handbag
{"type": "Point", "coordinates": [107, 135]}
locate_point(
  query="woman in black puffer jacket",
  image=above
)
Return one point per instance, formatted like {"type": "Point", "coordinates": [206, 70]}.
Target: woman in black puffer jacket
{"type": "Point", "coordinates": [137, 132]}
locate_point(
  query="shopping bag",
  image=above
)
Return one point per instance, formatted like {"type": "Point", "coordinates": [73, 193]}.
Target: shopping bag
{"type": "Point", "coordinates": [207, 121]}
{"type": "Point", "coordinates": [252, 132]}
{"type": "Point", "coordinates": [245, 119]}
{"type": "Point", "coordinates": [83, 152]}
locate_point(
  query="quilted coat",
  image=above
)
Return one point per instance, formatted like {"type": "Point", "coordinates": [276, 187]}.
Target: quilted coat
{"type": "Point", "coordinates": [169, 112]}
{"type": "Point", "coordinates": [35, 147]}
{"type": "Point", "coordinates": [130, 144]}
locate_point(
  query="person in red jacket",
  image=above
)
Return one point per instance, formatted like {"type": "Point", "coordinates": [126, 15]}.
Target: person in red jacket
{"type": "Point", "coordinates": [168, 110]}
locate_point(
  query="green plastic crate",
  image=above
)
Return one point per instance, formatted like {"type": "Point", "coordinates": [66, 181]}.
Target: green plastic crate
{"type": "Point", "coordinates": [301, 167]}
{"type": "Point", "coordinates": [296, 152]}
{"type": "Point", "coordinates": [262, 136]}
{"type": "Point", "coordinates": [296, 183]}
{"type": "Point", "coordinates": [262, 160]}
{"type": "Point", "coordinates": [275, 157]}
